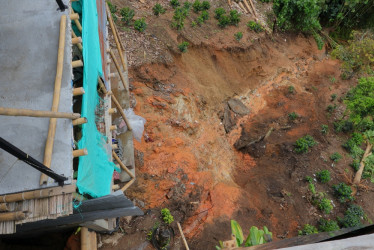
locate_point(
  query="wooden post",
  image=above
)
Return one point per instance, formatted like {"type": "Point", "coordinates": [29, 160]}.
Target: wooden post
{"type": "Point", "coordinates": [77, 63]}
{"type": "Point", "coordinates": [122, 165]}
{"type": "Point", "coordinates": [183, 238]}
{"type": "Point", "coordinates": [119, 70]}
{"type": "Point", "coordinates": [79, 121]}
{"type": "Point", "coordinates": [9, 216]}
{"type": "Point", "coordinates": [4, 207]}
{"type": "Point", "coordinates": [85, 239]}
{"type": "Point", "coordinates": [114, 146]}
{"type": "Point", "coordinates": [56, 99]}
{"type": "Point", "coordinates": [115, 101]}
{"type": "Point", "coordinates": [80, 152]}
{"type": "Point", "coordinates": [78, 91]}
{"type": "Point", "coordinates": [76, 40]}
{"type": "Point", "coordinates": [37, 113]}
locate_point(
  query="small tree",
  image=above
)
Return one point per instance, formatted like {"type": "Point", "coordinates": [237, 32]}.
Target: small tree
{"type": "Point", "coordinates": [140, 24]}
{"type": "Point", "coordinates": [158, 9]}
{"type": "Point", "coordinates": [127, 15]}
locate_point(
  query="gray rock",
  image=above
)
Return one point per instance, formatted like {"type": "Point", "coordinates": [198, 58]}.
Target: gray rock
{"type": "Point", "coordinates": [238, 107]}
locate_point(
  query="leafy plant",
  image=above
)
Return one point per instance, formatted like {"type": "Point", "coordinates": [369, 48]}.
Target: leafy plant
{"type": "Point", "coordinates": [238, 36]}
{"type": "Point", "coordinates": [193, 24]}
{"type": "Point", "coordinates": [205, 5]}
{"type": "Point", "coordinates": [343, 192]}
{"type": "Point", "coordinates": [323, 176]}
{"type": "Point", "coordinates": [204, 15]}
{"type": "Point", "coordinates": [293, 116]}
{"type": "Point", "coordinates": [352, 216]}
{"type": "Point", "coordinates": [318, 40]}
{"type": "Point", "coordinates": [331, 108]}
{"type": "Point", "coordinates": [312, 188]}
{"type": "Point", "coordinates": [309, 179]}
{"type": "Point", "coordinates": [166, 216]}
{"type": "Point", "coordinates": [140, 24]}
{"type": "Point", "coordinates": [127, 15]}
{"type": "Point", "coordinates": [197, 6]}
{"type": "Point", "coordinates": [183, 46]}
{"type": "Point", "coordinates": [112, 7]}
{"type": "Point", "coordinates": [158, 9]}
{"type": "Point", "coordinates": [335, 157]}
{"type": "Point", "coordinates": [324, 129]}
{"type": "Point", "coordinates": [187, 5]}
{"type": "Point", "coordinates": [328, 225]}
{"type": "Point", "coordinates": [325, 205]}
{"type": "Point", "coordinates": [223, 21]}
{"type": "Point", "coordinates": [291, 89]}
{"type": "Point", "coordinates": [234, 17]}
{"type": "Point", "coordinates": [308, 229]}
{"type": "Point", "coordinates": [174, 3]}
{"type": "Point", "coordinates": [303, 144]}
{"type": "Point", "coordinates": [219, 12]}
{"type": "Point", "coordinates": [256, 27]}
{"type": "Point", "coordinates": [333, 97]}
{"type": "Point", "coordinates": [180, 15]}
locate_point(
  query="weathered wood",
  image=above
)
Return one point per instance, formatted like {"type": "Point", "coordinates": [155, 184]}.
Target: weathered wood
{"type": "Point", "coordinates": [183, 238]}
{"type": "Point", "coordinates": [123, 166]}
{"type": "Point", "coordinates": [115, 101]}
{"type": "Point", "coordinates": [37, 194]}
{"type": "Point", "coordinates": [80, 152]}
{"type": "Point", "coordinates": [85, 239]}
{"type": "Point", "coordinates": [56, 99]}
{"type": "Point", "coordinates": [78, 91]}
{"type": "Point", "coordinates": [358, 174]}
{"type": "Point", "coordinates": [37, 113]}
{"type": "Point", "coordinates": [79, 121]}
{"type": "Point", "coordinates": [4, 207]}
{"type": "Point", "coordinates": [9, 216]}
{"type": "Point", "coordinates": [76, 64]}
{"type": "Point", "coordinates": [118, 70]}
{"type": "Point", "coordinates": [76, 40]}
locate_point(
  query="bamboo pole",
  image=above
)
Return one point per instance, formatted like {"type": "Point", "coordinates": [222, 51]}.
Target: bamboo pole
{"type": "Point", "coordinates": [77, 63]}
{"type": "Point", "coordinates": [112, 26]}
{"type": "Point", "coordinates": [115, 101]}
{"type": "Point", "coordinates": [80, 47]}
{"type": "Point", "coordinates": [79, 121]}
{"type": "Point", "coordinates": [118, 70]}
{"type": "Point", "coordinates": [253, 7]}
{"type": "Point", "coordinates": [102, 86]}
{"type": "Point", "coordinates": [80, 152]}
{"type": "Point", "coordinates": [56, 99]}
{"type": "Point", "coordinates": [4, 207]}
{"type": "Point", "coordinates": [249, 8]}
{"type": "Point", "coordinates": [76, 40]}
{"type": "Point", "coordinates": [37, 194]}
{"type": "Point", "coordinates": [128, 184]}
{"type": "Point", "coordinates": [183, 238]}
{"type": "Point", "coordinates": [74, 16]}
{"type": "Point", "coordinates": [115, 187]}
{"type": "Point", "coordinates": [112, 111]}
{"type": "Point", "coordinates": [358, 175]}
{"type": "Point", "coordinates": [243, 8]}
{"type": "Point", "coordinates": [85, 239]}
{"type": "Point", "coordinates": [93, 240]}
{"type": "Point", "coordinates": [122, 165]}
{"type": "Point", "coordinates": [9, 216]}
{"type": "Point", "coordinates": [77, 23]}
{"type": "Point", "coordinates": [38, 113]}
{"type": "Point", "coordinates": [113, 127]}
{"type": "Point", "coordinates": [114, 146]}
{"type": "Point", "coordinates": [78, 91]}
{"type": "Point", "coordinates": [119, 38]}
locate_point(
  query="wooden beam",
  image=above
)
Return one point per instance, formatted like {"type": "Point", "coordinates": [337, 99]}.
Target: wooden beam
{"type": "Point", "coordinates": [80, 152]}
{"type": "Point", "coordinates": [78, 91]}
{"type": "Point", "coordinates": [9, 216]}
{"type": "Point", "coordinates": [79, 121]}
{"type": "Point", "coordinates": [37, 194]}
{"type": "Point", "coordinates": [115, 101]}
{"type": "Point", "coordinates": [38, 113]}
{"type": "Point", "coordinates": [56, 99]}
{"type": "Point", "coordinates": [102, 86]}
{"type": "Point", "coordinates": [4, 207]}
{"type": "Point", "coordinates": [123, 166]}
{"type": "Point", "coordinates": [77, 63]}
{"type": "Point", "coordinates": [119, 70]}
{"type": "Point", "coordinates": [128, 184]}
{"type": "Point", "coordinates": [76, 40]}
{"type": "Point", "coordinates": [183, 238]}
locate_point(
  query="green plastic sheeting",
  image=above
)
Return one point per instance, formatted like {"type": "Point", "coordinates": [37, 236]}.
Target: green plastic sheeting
{"type": "Point", "coordinates": [95, 170]}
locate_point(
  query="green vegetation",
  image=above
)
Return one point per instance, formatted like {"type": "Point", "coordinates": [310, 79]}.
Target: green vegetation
{"type": "Point", "coordinates": [187, 5]}
{"type": "Point", "coordinates": [234, 17]}
{"type": "Point", "coordinates": [112, 7]}
{"type": "Point", "coordinates": [343, 192]}
{"type": "Point", "coordinates": [127, 15]}
{"type": "Point", "coordinates": [333, 97]}
{"type": "Point", "coordinates": [303, 144]}
{"type": "Point", "coordinates": [308, 229]}
{"type": "Point", "coordinates": [308, 179]}
{"type": "Point", "coordinates": [291, 89]}
{"type": "Point", "coordinates": [331, 108]}
{"type": "Point", "coordinates": [352, 216]}
{"type": "Point", "coordinates": [238, 36]}
{"type": "Point", "coordinates": [197, 6]}
{"type": "Point", "coordinates": [174, 3]}
{"type": "Point", "coordinates": [223, 21]}
{"type": "Point", "coordinates": [312, 188]}
{"type": "Point", "coordinates": [255, 26]}
{"type": "Point", "coordinates": [255, 237]}
{"type": "Point", "coordinates": [323, 176]}
{"type": "Point", "coordinates": [180, 15]}
{"type": "Point", "coordinates": [335, 157]}
{"type": "Point", "coordinates": [324, 129]}
{"type": "Point", "coordinates": [158, 9]}
{"type": "Point", "coordinates": [293, 116]}
{"type": "Point", "coordinates": [140, 24]}
{"type": "Point", "coordinates": [328, 225]}
{"type": "Point", "coordinates": [325, 205]}
{"type": "Point", "coordinates": [166, 216]}
{"type": "Point", "coordinates": [205, 5]}
{"type": "Point", "coordinates": [183, 46]}
{"type": "Point", "coordinates": [219, 12]}
{"type": "Point", "coordinates": [204, 15]}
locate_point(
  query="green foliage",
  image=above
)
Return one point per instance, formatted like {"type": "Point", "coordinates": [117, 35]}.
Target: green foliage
{"type": "Point", "coordinates": [187, 5]}
{"type": "Point", "coordinates": [325, 205]}
{"type": "Point", "coordinates": [332, 79]}
{"type": "Point", "coordinates": [308, 229]}
{"type": "Point", "coordinates": [343, 192]}
{"type": "Point", "coordinates": [333, 97]}
{"type": "Point", "coordinates": [331, 108]}
{"type": "Point", "coordinates": [150, 233]}
{"type": "Point", "coordinates": [183, 46]}
{"type": "Point", "coordinates": [205, 15]}
{"type": "Point", "coordinates": [324, 129]}
{"type": "Point", "coordinates": [328, 225]}
{"type": "Point", "coordinates": [112, 7]}
{"type": "Point", "coordinates": [166, 216]}
{"type": "Point", "coordinates": [293, 116]}
{"type": "Point", "coordinates": [265, 1]}
{"type": "Point", "coordinates": [127, 15]}
{"type": "Point", "coordinates": [303, 144]}
{"type": "Point", "coordinates": [193, 24]}
{"type": "Point", "coordinates": [291, 89]}
{"type": "Point", "coordinates": [223, 21]}
{"type": "Point", "coordinates": [355, 165]}
{"type": "Point", "coordinates": [335, 157]}
{"type": "Point", "coordinates": [238, 36]}
{"type": "Point", "coordinates": [352, 216]}
{"type": "Point", "coordinates": [140, 24]}
{"type": "Point", "coordinates": [298, 14]}
{"type": "Point", "coordinates": [256, 27]}
{"type": "Point", "coordinates": [312, 188]}
{"type": "Point", "coordinates": [174, 3]}
{"type": "Point", "coordinates": [234, 17]}
{"type": "Point", "coordinates": [308, 179]}
{"type": "Point", "coordinates": [180, 15]}
{"type": "Point", "coordinates": [205, 5]}
{"type": "Point", "coordinates": [343, 126]}
{"type": "Point", "coordinates": [360, 100]}
{"type": "Point", "coordinates": [219, 12]}
{"type": "Point", "coordinates": [369, 168]}
{"type": "Point", "coordinates": [323, 176]}
{"type": "Point", "coordinates": [319, 40]}
{"type": "Point", "coordinates": [197, 6]}
{"type": "Point", "coordinates": [158, 9]}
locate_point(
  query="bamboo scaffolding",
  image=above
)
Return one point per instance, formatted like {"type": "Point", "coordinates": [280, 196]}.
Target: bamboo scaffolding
{"type": "Point", "coordinates": [243, 8]}
{"type": "Point", "coordinates": [123, 166]}
{"type": "Point", "coordinates": [80, 152]}
{"type": "Point", "coordinates": [76, 40]}
{"type": "Point", "coordinates": [74, 16]}
{"type": "Point", "coordinates": [102, 86]}
{"type": "Point", "coordinates": [77, 63]}
{"type": "Point", "coordinates": [78, 91]}
{"type": "Point", "coordinates": [249, 8]}
{"type": "Point", "coordinates": [112, 111]}
{"type": "Point", "coordinates": [56, 99]}
{"type": "Point", "coordinates": [38, 113]}
{"type": "Point", "coordinates": [113, 127]}
{"type": "Point", "coordinates": [115, 101]}
{"type": "Point", "coordinates": [128, 184]}
{"type": "Point", "coordinates": [76, 21]}
{"type": "Point", "coordinates": [10, 216]}
{"type": "Point", "coordinates": [80, 47]}
{"type": "Point", "coordinates": [4, 207]}
{"type": "Point", "coordinates": [183, 238]}
{"type": "Point", "coordinates": [118, 70]}
{"type": "Point", "coordinates": [252, 5]}
{"type": "Point", "coordinates": [114, 146]}
{"type": "Point", "coordinates": [37, 194]}
{"type": "Point", "coordinates": [79, 121]}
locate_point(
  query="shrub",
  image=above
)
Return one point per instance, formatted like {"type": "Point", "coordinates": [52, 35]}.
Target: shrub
{"type": "Point", "coordinates": [323, 176]}
{"type": "Point", "coordinates": [187, 5]}
{"type": "Point", "coordinates": [166, 216]}
{"type": "Point", "coordinates": [127, 15]}
{"type": "Point", "coordinates": [303, 144]}
{"type": "Point", "coordinates": [328, 225]}
{"type": "Point", "coordinates": [205, 15]}
{"type": "Point", "coordinates": [331, 108]}
{"type": "Point", "coordinates": [360, 100]}
{"type": "Point", "coordinates": [174, 3]}
{"type": "Point", "coordinates": [180, 15]}
{"type": "Point", "coordinates": [200, 20]}
{"type": "Point", "coordinates": [324, 129]}
{"type": "Point", "coordinates": [333, 97]}
{"type": "Point", "coordinates": [291, 89]}
{"type": "Point", "coordinates": [256, 27]}
{"type": "Point", "coordinates": [140, 24]}
{"type": "Point", "coordinates": [312, 188]}
{"type": "Point", "coordinates": [318, 40]}
{"type": "Point", "coordinates": [308, 179]}
{"type": "Point", "coordinates": [234, 17]}
{"type": "Point", "coordinates": [219, 12]}
{"type": "Point", "coordinates": [197, 6]}
{"type": "Point", "coordinates": [223, 21]}
{"type": "Point", "coordinates": [183, 46]}
{"type": "Point", "coordinates": [112, 7]}
{"type": "Point", "coordinates": [343, 192]}
{"type": "Point", "coordinates": [238, 36]}
{"type": "Point", "coordinates": [158, 9]}
{"type": "Point", "coordinates": [325, 205]}
{"type": "Point", "coordinates": [308, 229]}
{"type": "Point", "coordinates": [205, 5]}
{"type": "Point", "coordinates": [193, 24]}
{"type": "Point", "coordinates": [335, 157]}
{"type": "Point", "coordinates": [293, 116]}
{"type": "Point", "coordinates": [343, 126]}
{"type": "Point", "coordinates": [352, 216]}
